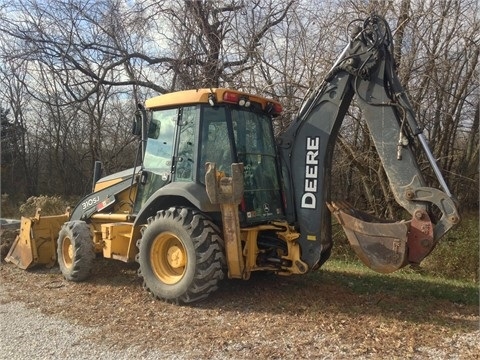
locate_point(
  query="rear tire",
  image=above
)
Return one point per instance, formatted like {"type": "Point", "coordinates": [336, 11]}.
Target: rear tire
{"type": "Point", "coordinates": [181, 256]}
{"type": "Point", "coordinates": [75, 251]}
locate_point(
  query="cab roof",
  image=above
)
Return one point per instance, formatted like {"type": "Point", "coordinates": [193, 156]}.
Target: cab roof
{"type": "Point", "coordinates": [202, 96]}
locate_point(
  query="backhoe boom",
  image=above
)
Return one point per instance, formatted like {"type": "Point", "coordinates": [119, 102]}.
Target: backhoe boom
{"type": "Point", "coordinates": [365, 70]}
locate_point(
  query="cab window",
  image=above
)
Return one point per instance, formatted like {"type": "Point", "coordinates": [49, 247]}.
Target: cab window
{"type": "Point", "coordinates": [216, 147]}
{"type": "Point", "coordinates": [185, 160]}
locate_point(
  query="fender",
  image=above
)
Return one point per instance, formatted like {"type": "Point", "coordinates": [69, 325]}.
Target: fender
{"type": "Point", "coordinates": [193, 194]}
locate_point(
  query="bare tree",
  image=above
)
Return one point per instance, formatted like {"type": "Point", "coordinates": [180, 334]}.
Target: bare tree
{"type": "Point", "coordinates": [74, 70]}
{"type": "Point", "coordinates": [111, 43]}
{"type": "Point", "coordinates": [16, 155]}
{"type": "Point", "coordinates": [296, 56]}
{"type": "Point", "coordinates": [443, 79]}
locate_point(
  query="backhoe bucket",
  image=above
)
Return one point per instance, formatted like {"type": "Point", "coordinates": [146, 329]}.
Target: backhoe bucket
{"type": "Point", "coordinates": [382, 246]}
{"type": "Point", "coordinates": [36, 242]}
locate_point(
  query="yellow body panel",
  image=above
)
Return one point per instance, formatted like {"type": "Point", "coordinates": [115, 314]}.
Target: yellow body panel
{"type": "Point", "coordinates": [104, 184]}
{"type": "Point", "coordinates": [114, 235]}
{"type": "Point", "coordinates": [116, 240]}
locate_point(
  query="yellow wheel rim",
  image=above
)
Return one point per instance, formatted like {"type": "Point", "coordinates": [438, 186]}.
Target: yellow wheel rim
{"type": "Point", "coordinates": [168, 258]}
{"type": "Point", "coordinates": [67, 252]}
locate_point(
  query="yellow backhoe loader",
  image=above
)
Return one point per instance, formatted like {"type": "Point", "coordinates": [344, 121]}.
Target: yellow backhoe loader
{"type": "Point", "coordinates": [215, 195]}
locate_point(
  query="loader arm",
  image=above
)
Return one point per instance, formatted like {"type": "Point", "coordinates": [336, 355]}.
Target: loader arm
{"type": "Point", "coordinates": [365, 69]}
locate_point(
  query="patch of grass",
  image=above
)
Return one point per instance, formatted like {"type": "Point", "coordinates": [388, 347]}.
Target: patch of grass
{"type": "Point", "coordinates": [405, 283]}
{"type": "Point", "coordinates": [456, 256]}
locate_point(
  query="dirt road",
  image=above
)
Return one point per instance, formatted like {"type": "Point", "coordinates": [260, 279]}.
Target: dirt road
{"type": "Point", "coordinates": [268, 317]}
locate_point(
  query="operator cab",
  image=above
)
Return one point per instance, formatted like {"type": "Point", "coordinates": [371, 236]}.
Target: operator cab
{"type": "Point", "coordinates": [187, 129]}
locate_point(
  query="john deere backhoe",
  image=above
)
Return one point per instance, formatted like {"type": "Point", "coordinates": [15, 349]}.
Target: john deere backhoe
{"type": "Point", "coordinates": [215, 195]}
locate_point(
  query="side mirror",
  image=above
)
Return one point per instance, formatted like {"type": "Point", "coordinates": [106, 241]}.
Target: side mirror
{"type": "Point", "coordinates": [137, 124]}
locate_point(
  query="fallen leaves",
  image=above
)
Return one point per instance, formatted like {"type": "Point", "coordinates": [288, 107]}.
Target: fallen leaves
{"type": "Point", "coordinates": [266, 317]}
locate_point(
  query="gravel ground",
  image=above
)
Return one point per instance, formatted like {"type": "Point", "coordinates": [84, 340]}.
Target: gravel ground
{"type": "Point", "coordinates": [42, 316]}
{"type": "Point", "coordinates": [28, 334]}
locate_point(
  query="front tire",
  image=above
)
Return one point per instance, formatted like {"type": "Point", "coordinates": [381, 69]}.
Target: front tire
{"type": "Point", "coordinates": [75, 250]}
{"type": "Point", "coordinates": [181, 256]}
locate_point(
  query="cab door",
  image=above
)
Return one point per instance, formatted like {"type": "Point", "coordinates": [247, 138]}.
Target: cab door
{"type": "Point", "coordinates": [158, 160]}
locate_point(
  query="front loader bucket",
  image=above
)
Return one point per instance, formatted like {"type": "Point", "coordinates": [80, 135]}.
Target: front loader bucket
{"type": "Point", "coordinates": [36, 242]}
{"type": "Point", "coordinates": [382, 246]}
